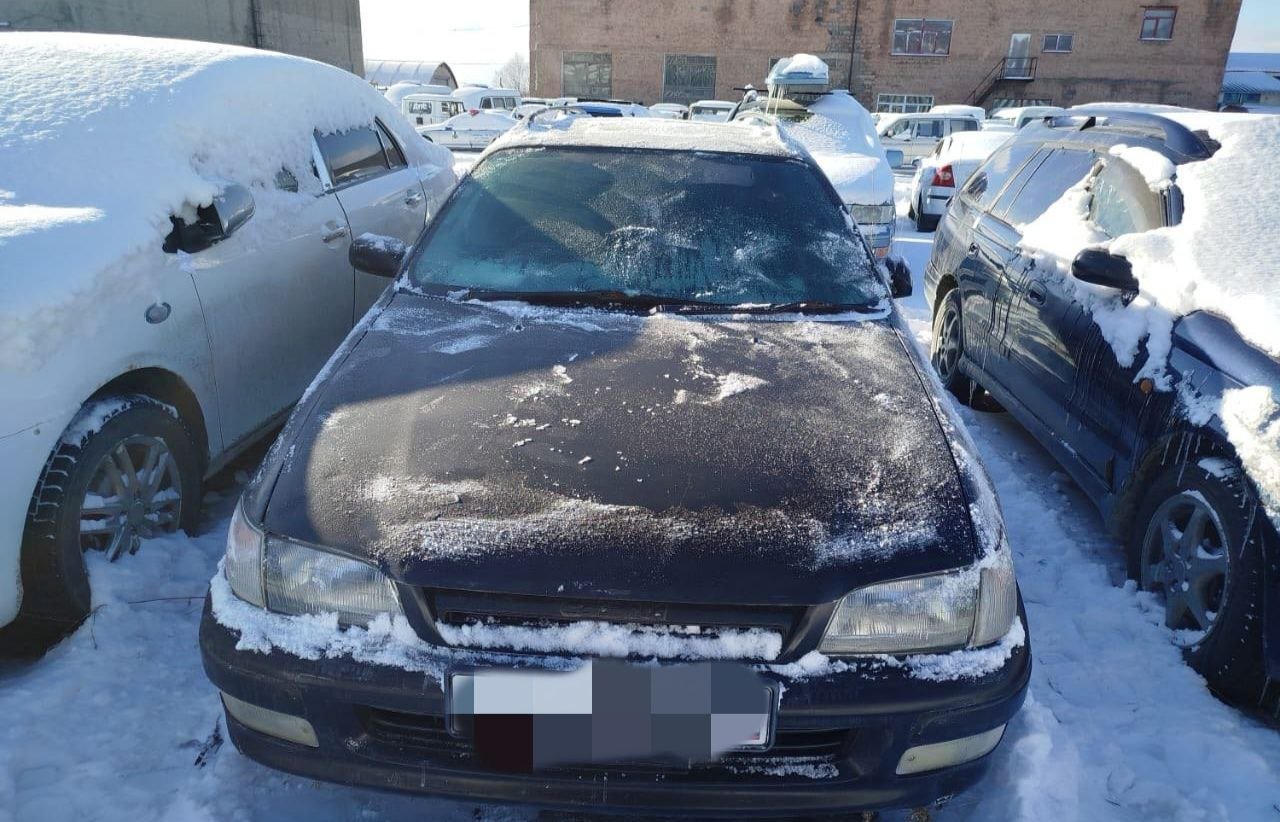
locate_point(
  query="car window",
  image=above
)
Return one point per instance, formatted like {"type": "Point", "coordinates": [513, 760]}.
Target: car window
{"type": "Point", "coordinates": [899, 128]}
{"type": "Point", "coordinates": [395, 157]}
{"type": "Point", "coordinates": [352, 155]}
{"type": "Point", "coordinates": [964, 124]}
{"type": "Point", "coordinates": [419, 107]}
{"type": "Point", "coordinates": [722, 228]}
{"type": "Point", "coordinates": [1123, 203]}
{"type": "Point", "coordinates": [929, 129]}
{"type": "Point", "coordinates": [986, 182]}
{"type": "Point", "coordinates": [1061, 170]}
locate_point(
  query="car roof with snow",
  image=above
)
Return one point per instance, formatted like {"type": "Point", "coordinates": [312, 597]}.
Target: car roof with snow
{"type": "Point", "coordinates": [650, 133]}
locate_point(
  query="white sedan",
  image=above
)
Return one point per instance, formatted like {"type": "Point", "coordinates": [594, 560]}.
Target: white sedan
{"type": "Point", "coordinates": [946, 169]}
{"type": "Point", "coordinates": [157, 319]}
{"type": "Point", "coordinates": [472, 130]}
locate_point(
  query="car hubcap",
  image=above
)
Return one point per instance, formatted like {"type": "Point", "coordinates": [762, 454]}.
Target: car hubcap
{"type": "Point", "coordinates": [946, 348]}
{"type": "Point", "coordinates": [1185, 556]}
{"type": "Point", "coordinates": [135, 493]}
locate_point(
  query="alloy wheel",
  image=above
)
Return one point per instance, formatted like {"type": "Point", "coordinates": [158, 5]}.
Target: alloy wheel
{"type": "Point", "coordinates": [946, 347]}
{"type": "Point", "coordinates": [1184, 555]}
{"type": "Point", "coordinates": [135, 493]}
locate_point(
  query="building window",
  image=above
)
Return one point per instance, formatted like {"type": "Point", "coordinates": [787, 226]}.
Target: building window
{"type": "Point", "coordinates": [904, 103]}
{"type": "Point", "coordinates": [1059, 43]}
{"type": "Point", "coordinates": [1240, 98]}
{"type": "Point", "coordinates": [1157, 23]}
{"type": "Point", "coordinates": [927, 37]}
{"type": "Point", "coordinates": [688, 78]}
{"type": "Point", "coordinates": [587, 74]}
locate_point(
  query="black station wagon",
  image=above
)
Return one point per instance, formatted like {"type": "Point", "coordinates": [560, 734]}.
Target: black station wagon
{"type": "Point", "coordinates": [630, 493]}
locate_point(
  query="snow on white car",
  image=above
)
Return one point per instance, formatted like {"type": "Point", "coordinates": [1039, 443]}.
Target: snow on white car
{"type": "Point", "coordinates": [174, 226]}
{"type": "Point", "coordinates": [471, 130]}
{"type": "Point", "coordinates": [840, 135]}
{"type": "Point", "coordinates": [945, 171]}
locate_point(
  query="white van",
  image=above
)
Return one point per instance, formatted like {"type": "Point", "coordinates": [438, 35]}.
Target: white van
{"type": "Point", "coordinates": [429, 109]}
{"type": "Point", "coordinates": [917, 135]}
{"type": "Point", "coordinates": [483, 98]}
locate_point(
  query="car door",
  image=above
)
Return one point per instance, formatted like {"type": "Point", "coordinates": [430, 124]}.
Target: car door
{"type": "Point", "coordinates": [1043, 325]}
{"type": "Point", "coordinates": [970, 245]}
{"type": "Point", "coordinates": [277, 299]}
{"type": "Point", "coordinates": [925, 134]}
{"type": "Point", "coordinates": [379, 192]}
{"type": "Point", "coordinates": [1105, 401]}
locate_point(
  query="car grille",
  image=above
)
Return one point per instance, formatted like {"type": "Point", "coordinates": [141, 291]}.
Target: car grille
{"type": "Point", "coordinates": [427, 737]}
{"type": "Point", "coordinates": [503, 610]}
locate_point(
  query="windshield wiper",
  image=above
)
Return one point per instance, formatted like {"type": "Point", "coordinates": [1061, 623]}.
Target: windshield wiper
{"type": "Point", "coordinates": [610, 298]}
{"type": "Point", "coordinates": [819, 307]}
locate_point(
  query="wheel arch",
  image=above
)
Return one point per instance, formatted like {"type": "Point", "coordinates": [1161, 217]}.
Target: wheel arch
{"type": "Point", "coordinates": [167, 387]}
{"type": "Point", "coordinates": [946, 284]}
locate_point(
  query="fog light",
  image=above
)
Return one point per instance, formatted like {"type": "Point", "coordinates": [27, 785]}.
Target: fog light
{"type": "Point", "coordinates": [272, 723]}
{"type": "Point", "coordinates": [945, 754]}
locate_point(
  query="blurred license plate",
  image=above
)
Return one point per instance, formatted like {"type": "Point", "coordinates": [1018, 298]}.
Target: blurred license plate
{"type": "Point", "coordinates": [609, 711]}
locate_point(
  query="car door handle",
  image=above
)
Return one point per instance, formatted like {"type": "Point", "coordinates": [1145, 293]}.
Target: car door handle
{"type": "Point", "coordinates": [412, 198]}
{"type": "Point", "coordinates": [336, 234]}
{"type": "Point", "coordinates": [1036, 294]}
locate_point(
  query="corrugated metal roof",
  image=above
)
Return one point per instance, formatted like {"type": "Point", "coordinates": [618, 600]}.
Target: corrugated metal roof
{"type": "Point", "coordinates": [1254, 61]}
{"type": "Point", "coordinates": [390, 72]}
{"type": "Point", "coordinates": [1250, 82]}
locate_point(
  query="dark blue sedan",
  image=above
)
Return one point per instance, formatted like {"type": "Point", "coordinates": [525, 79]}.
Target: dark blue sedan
{"type": "Point", "coordinates": [1010, 326]}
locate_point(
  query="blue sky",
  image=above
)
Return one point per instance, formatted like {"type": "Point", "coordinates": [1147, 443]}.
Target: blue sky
{"type": "Point", "coordinates": [476, 36]}
{"type": "Point", "coordinates": [1259, 27]}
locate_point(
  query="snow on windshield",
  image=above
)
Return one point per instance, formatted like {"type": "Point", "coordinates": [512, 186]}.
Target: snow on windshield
{"type": "Point", "coordinates": [102, 138]}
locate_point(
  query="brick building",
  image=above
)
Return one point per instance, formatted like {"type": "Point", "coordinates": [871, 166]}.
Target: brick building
{"type": "Point", "coordinates": [894, 55]}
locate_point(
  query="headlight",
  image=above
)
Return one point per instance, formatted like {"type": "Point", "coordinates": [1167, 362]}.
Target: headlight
{"type": "Point", "coordinates": [873, 214]}
{"type": "Point", "coordinates": [290, 578]}
{"type": "Point", "coordinates": [939, 612]}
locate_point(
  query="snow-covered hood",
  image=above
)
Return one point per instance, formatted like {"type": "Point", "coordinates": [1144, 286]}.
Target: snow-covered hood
{"type": "Point", "coordinates": [516, 449]}
{"type": "Point", "coordinates": [841, 136]}
{"type": "Point", "coordinates": [858, 179]}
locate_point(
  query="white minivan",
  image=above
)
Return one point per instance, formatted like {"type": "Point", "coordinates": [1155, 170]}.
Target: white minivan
{"type": "Point", "coordinates": [917, 135]}
{"type": "Point", "coordinates": [483, 98]}
{"type": "Point", "coordinates": [176, 274]}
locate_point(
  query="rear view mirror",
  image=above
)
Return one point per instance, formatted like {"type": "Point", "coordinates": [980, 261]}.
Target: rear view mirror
{"type": "Point", "coordinates": [377, 255]}
{"type": "Point", "coordinates": [899, 277]}
{"type": "Point", "coordinates": [1093, 265]}
{"type": "Point", "coordinates": [896, 157]}
{"type": "Point", "coordinates": [214, 223]}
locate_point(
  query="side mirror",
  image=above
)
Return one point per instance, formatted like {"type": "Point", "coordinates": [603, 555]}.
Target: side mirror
{"type": "Point", "coordinates": [896, 157]}
{"type": "Point", "coordinates": [377, 255]}
{"type": "Point", "coordinates": [233, 207]}
{"type": "Point", "coordinates": [214, 223]}
{"type": "Point", "coordinates": [1103, 268]}
{"type": "Point", "coordinates": [899, 277]}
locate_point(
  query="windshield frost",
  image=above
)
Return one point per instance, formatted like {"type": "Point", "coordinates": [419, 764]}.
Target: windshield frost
{"type": "Point", "coordinates": [726, 229]}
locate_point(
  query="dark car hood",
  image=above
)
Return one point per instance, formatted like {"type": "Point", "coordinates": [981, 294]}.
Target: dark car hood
{"type": "Point", "coordinates": [518, 449]}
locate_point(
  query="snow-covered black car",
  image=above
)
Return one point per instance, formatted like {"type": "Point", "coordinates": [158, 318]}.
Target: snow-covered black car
{"type": "Point", "coordinates": [631, 492]}
{"type": "Point", "coordinates": [1105, 278]}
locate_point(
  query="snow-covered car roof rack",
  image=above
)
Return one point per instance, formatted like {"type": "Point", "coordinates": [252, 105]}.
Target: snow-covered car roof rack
{"type": "Point", "coordinates": [1175, 136]}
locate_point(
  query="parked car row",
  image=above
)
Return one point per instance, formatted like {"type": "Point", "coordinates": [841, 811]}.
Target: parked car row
{"type": "Point", "coordinates": [490, 385]}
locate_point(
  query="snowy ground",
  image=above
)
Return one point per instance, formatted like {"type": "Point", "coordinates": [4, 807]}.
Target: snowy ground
{"type": "Point", "coordinates": [116, 722]}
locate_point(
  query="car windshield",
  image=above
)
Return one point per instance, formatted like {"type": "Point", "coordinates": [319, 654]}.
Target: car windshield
{"type": "Point", "coordinates": [672, 226]}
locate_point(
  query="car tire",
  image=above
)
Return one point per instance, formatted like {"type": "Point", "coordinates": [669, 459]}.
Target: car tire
{"type": "Point", "coordinates": [1228, 535]}
{"type": "Point", "coordinates": [947, 348]}
{"type": "Point", "coordinates": [925, 222]}
{"type": "Point", "coordinates": [103, 458]}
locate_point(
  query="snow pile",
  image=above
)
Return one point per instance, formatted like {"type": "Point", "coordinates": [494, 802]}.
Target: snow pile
{"type": "Point", "coordinates": [102, 138]}
{"type": "Point", "coordinates": [604, 639]}
{"type": "Point", "coordinates": [469, 121]}
{"type": "Point", "coordinates": [973, 146]}
{"type": "Point", "coordinates": [1154, 167]}
{"type": "Point", "coordinates": [735, 383]}
{"type": "Point", "coordinates": [1251, 417]}
{"type": "Point", "coordinates": [796, 66]}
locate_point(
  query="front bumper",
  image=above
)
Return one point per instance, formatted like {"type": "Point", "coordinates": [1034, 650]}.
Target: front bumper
{"type": "Point", "coordinates": [838, 741]}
